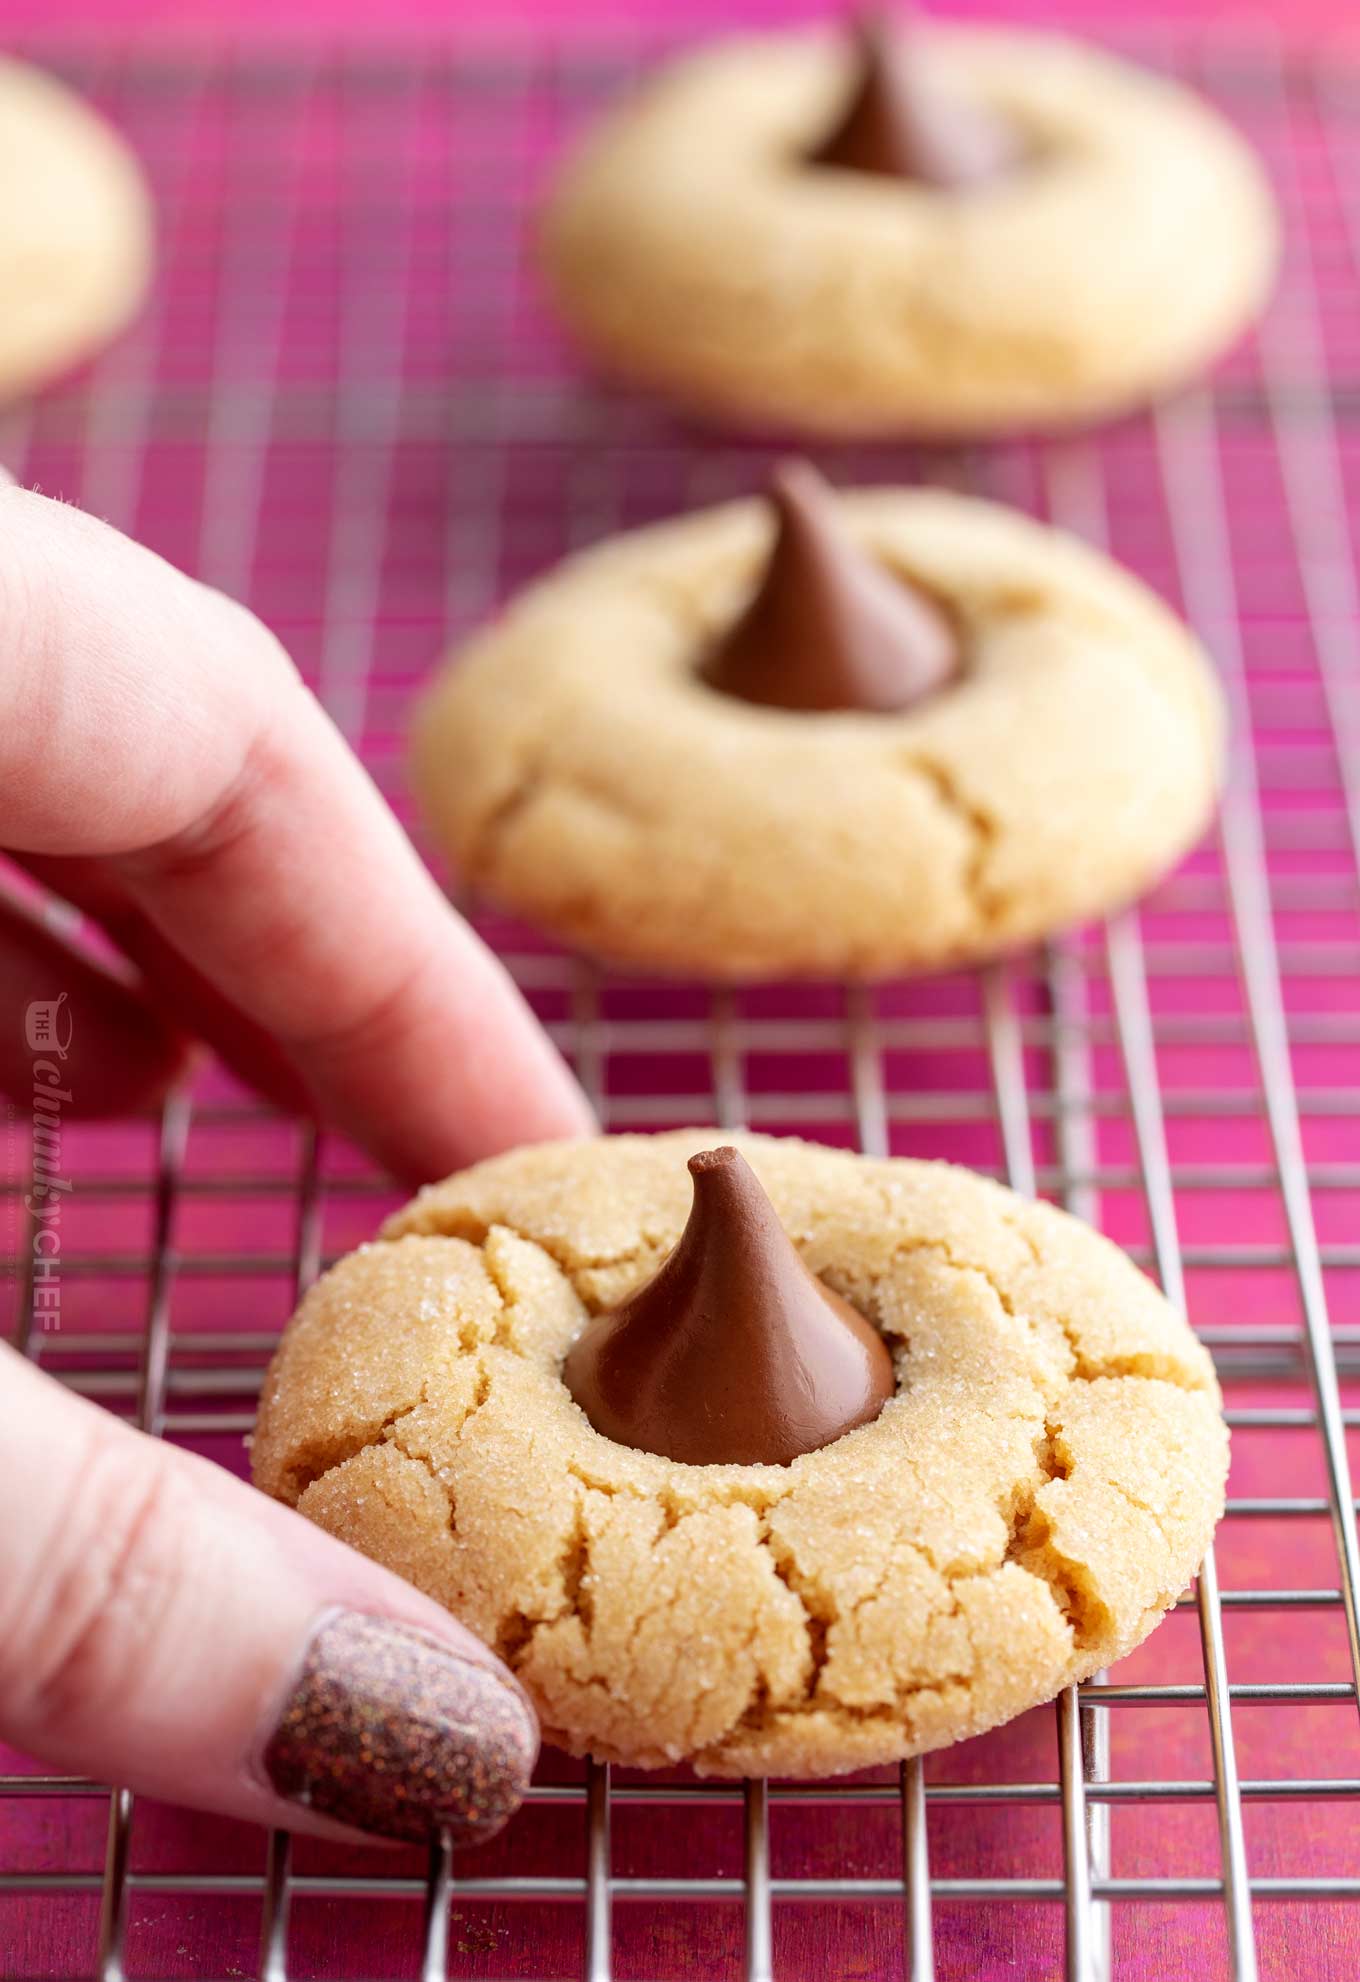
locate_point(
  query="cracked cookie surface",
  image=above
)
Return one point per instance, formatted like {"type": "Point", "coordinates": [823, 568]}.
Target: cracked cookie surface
{"type": "Point", "coordinates": [690, 246]}
{"type": "Point", "coordinates": [575, 767]}
{"type": "Point", "coordinates": [1023, 1511]}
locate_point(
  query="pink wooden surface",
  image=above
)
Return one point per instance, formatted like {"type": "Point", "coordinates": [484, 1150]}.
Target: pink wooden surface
{"type": "Point", "coordinates": [348, 403]}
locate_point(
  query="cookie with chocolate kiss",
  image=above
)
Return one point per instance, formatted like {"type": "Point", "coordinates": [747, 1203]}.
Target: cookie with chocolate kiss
{"type": "Point", "coordinates": [916, 228]}
{"type": "Point", "coordinates": [821, 735]}
{"type": "Point", "coordinates": [1040, 1485]}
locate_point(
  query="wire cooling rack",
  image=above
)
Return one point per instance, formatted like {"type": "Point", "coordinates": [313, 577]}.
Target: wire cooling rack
{"type": "Point", "coordinates": [347, 406]}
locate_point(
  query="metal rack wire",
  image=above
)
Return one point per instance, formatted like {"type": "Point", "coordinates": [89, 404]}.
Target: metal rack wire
{"type": "Point", "coordinates": [342, 238]}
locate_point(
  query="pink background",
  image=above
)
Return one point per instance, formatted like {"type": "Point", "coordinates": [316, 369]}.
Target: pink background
{"type": "Point", "coordinates": [432, 200]}
{"type": "Point", "coordinates": [1293, 20]}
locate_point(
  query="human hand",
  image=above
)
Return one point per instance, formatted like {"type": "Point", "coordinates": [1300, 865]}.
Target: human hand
{"type": "Point", "coordinates": [163, 768]}
{"type": "Point", "coordinates": [164, 1627]}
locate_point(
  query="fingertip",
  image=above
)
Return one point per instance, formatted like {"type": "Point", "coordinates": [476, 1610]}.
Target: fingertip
{"type": "Point", "coordinates": [452, 1068]}
{"type": "Point", "coordinates": [337, 1696]}
{"type": "Point", "coordinates": [502, 1099]}
{"type": "Point", "coordinates": [399, 1732]}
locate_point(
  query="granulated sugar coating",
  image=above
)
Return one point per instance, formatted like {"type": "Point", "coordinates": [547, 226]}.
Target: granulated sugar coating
{"type": "Point", "coordinates": [1023, 1511]}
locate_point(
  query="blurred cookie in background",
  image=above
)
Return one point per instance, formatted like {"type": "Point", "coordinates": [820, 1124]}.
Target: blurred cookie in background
{"type": "Point", "coordinates": [824, 735]}
{"type": "Point", "coordinates": [908, 229]}
{"type": "Point", "coordinates": [76, 233]}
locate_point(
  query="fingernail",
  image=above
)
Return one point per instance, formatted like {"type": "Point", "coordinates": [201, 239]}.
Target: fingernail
{"type": "Point", "coordinates": [394, 1732]}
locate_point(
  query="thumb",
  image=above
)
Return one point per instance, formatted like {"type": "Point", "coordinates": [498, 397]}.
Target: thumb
{"type": "Point", "coordinates": [166, 1628]}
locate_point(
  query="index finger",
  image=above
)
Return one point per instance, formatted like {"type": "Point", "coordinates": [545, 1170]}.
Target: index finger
{"type": "Point", "coordinates": [148, 721]}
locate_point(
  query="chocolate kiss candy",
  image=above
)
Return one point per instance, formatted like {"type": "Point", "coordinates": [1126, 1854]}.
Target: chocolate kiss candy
{"type": "Point", "coordinates": [733, 1354]}
{"type": "Point", "coordinates": [829, 628]}
{"type": "Point", "coordinates": [900, 126]}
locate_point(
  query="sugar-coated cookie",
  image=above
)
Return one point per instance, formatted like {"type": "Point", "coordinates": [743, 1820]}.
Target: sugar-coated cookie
{"type": "Point", "coordinates": [75, 230]}
{"type": "Point", "coordinates": [698, 244]}
{"type": "Point", "coordinates": [1019, 1514]}
{"type": "Point", "coordinates": [577, 765]}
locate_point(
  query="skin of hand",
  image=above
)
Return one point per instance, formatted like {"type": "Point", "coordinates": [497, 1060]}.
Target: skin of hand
{"type": "Point", "coordinates": [165, 1627]}
{"type": "Point", "coordinates": [163, 769]}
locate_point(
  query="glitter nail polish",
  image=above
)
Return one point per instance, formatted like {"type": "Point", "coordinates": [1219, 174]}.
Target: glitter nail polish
{"type": "Point", "coordinates": [393, 1731]}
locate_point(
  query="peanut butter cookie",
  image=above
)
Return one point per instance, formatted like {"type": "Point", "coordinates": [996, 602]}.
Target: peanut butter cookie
{"type": "Point", "coordinates": [1031, 1498]}
{"type": "Point", "coordinates": [607, 758]}
{"type": "Point", "coordinates": [1033, 232]}
{"type": "Point", "coordinates": [75, 230]}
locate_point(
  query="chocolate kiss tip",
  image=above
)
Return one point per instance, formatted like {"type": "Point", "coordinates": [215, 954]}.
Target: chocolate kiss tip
{"type": "Point", "coordinates": [898, 125]}
{"type": "Point", "coordinates": [828, 627]}
{"type": "Point", "coordinates": [733, 1353]}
